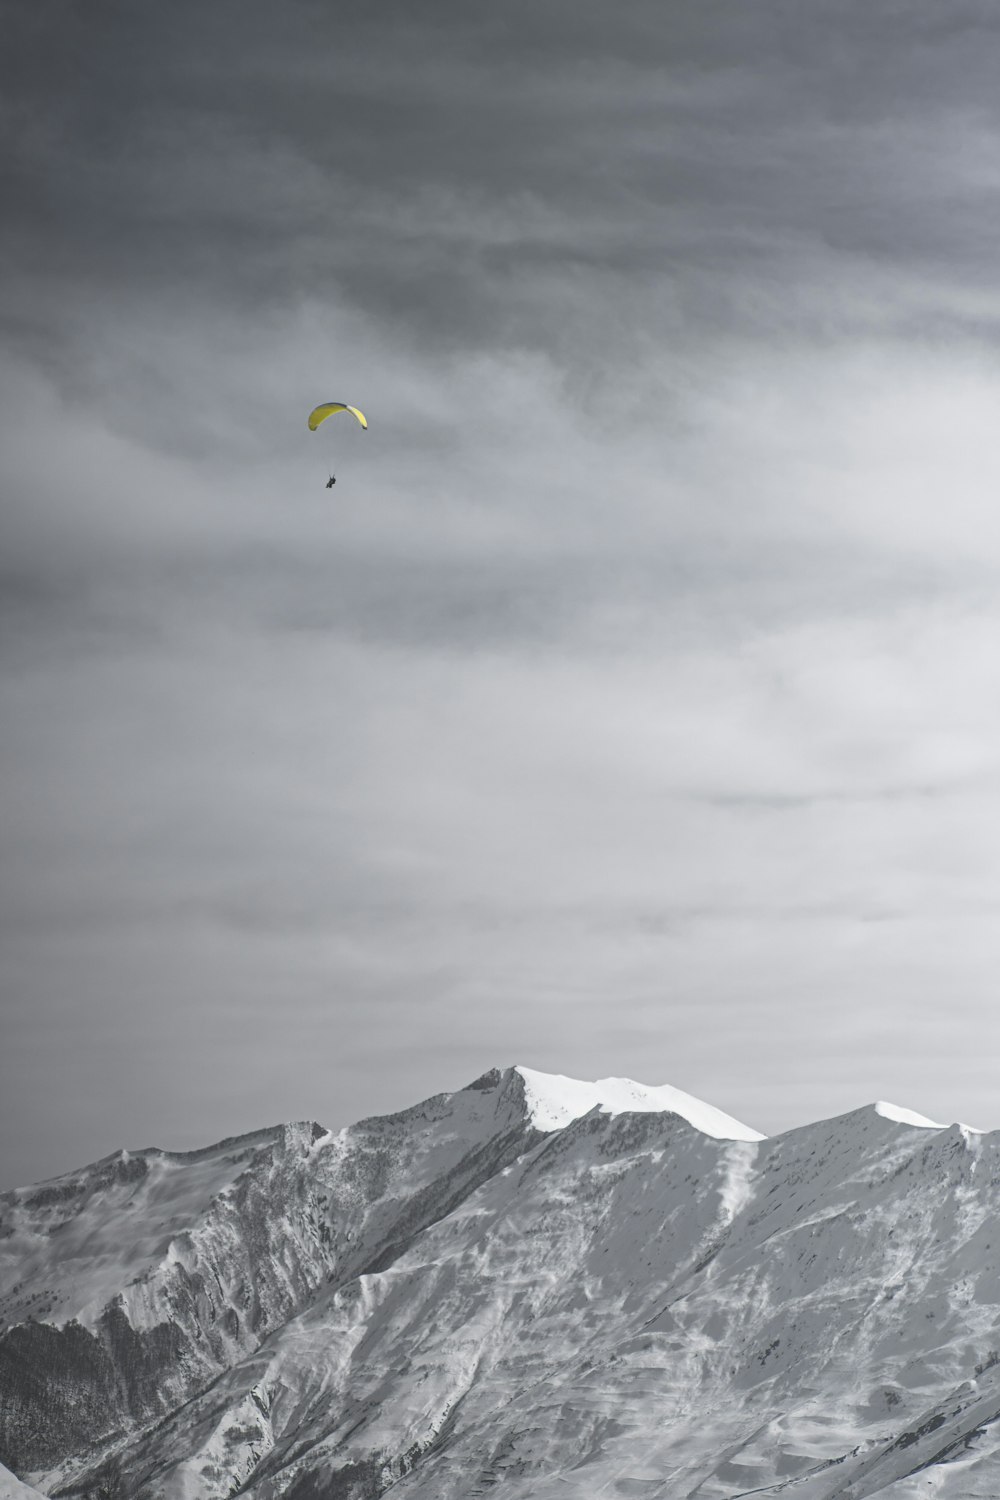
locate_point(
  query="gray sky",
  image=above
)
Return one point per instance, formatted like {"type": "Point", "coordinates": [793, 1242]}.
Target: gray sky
{"type": "Point", "coordinates": [631, 705]}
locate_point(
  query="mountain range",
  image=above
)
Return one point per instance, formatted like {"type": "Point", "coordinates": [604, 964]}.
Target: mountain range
{"type": "Point", "coordinates": [532, 1287]}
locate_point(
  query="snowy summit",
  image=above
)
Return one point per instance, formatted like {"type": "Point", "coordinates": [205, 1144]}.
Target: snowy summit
{"type": "Point", "coordinates": [554, 1100]}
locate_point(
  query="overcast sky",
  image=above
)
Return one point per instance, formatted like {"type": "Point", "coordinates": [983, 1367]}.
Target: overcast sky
{"type": "Point", "coordinates": [632, 705]}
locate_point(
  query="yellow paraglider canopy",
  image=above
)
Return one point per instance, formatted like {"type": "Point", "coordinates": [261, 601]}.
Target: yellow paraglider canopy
{"type": "Point", "coordinates": [328, 408]}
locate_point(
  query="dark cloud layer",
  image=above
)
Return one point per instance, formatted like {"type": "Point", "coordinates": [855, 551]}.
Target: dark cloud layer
{"type": "Point", "coordinates": [244, 154]}
{"type": "Point", "coordinates": [628, 707]}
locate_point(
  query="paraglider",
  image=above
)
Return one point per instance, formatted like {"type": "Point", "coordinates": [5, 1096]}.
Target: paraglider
{"type": "Point", "coordinates": [320, 413]}
{"type": "Point", "coordinates": [328, 409]}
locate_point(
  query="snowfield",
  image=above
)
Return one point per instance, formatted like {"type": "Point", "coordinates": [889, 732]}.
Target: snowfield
{"type": "Point", "coordinates": [553, 1101]}
{"type": "Point", "coordinates": [533, 1287]}
{"type": "Point", "coordinates": [11, 1488]}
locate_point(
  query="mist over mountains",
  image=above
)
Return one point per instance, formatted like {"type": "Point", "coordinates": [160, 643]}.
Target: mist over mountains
{"type": "Point", "coordinates": [531, 1287]}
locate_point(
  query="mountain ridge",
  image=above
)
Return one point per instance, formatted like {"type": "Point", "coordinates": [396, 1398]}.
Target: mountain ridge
{"type": "Point", "coordinates": [450, 1299]}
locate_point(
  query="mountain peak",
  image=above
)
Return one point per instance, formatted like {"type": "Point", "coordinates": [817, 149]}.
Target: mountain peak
{"type": "Point", "coordinates": [476, 1292]}
{"type": "Point", "coordinates": [554, 1100]}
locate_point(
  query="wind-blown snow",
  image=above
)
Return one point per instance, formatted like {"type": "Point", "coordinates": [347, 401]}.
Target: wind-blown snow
{"type": "Point", "coordinates": [554, 1100]}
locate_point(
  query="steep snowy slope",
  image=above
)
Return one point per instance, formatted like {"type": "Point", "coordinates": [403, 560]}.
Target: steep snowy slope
{"type": "Point", "coordinates": [73, 1243]}
{"type": "Point", "coordinates": [540, 1288]}
{"type": "Point", "coordinates": [11, 1487]}
{"type": "Point", "coordinates": [635, 1308]}
{"type": "Point", "coordinates": [132, 1284]}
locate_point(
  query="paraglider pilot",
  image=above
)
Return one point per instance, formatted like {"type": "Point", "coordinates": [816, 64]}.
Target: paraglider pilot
{"type": "Point", "coordinates": [320, 413]}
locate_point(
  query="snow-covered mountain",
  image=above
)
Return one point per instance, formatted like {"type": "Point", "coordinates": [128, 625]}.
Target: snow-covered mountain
{"type": "Point", "coordinates": [535, 1286]}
